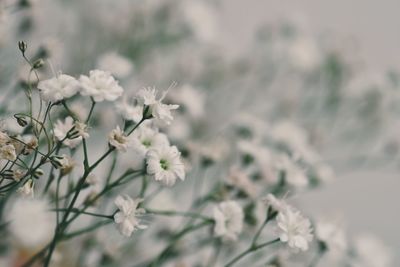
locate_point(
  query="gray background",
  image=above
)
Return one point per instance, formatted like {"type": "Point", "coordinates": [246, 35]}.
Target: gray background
{"type": "Point", "coordinates": [368, 201]}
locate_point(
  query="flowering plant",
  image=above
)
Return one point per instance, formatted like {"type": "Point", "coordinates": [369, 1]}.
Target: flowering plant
{"type": "Point", "coordinates": [100, 168]}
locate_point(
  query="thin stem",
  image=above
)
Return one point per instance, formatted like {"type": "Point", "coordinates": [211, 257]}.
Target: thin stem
{"type": "Point", "coordinates": [251, 249]}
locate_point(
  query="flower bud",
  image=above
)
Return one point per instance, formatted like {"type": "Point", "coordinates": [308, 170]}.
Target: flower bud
{"type": "Point", "coordinates": [22, 46]}
{"type": "Point", "coordinates": [38, 63]}
{"type": "Point", "coordinates": [38, 173]}
{"type": "Point", "coordinates": [21, 120]}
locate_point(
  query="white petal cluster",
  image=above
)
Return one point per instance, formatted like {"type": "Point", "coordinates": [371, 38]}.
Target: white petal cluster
{"type": "Point", "coordinates": [129, 111]}
{"type": "Point", "coordinates": [158, 110]}
{"type": "Point", "coordinates": [292, 227]}
{"type": "Point", "coordinates": [58, 88]}
{"type": "Point", "coordinates": [333, 236]}
{"type": "Point", "coordinates": [31, 222]}
{"type": "Point", "coordinates": [116, 64]}
{"type": "Point", "coordinates": [164, 164]}
{"type": "Point", "coordinates": [228, 216]}
{"type": "Point", "coordinates": [127, 217]}
{"type": "Point", "coordinates": [371, 252]}
{"type": "Point", "coordinates": [61, 130]}
{"type": "Point", "coordinates": [100, 85]}
{"type": "Point", "coordinates": [27, 189]}
{"type": "Point", "coordinates": [146, 138]}
{"type": "Point", "coordinates": [118, 139]}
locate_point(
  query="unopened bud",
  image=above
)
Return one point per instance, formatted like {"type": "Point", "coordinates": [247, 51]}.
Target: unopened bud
{"type": "Point", "coordinates": [22, 46]}
{"type": "Point", "coordinates": [38, 63]}
{"type": "Point", "coordinates": [38, 173]}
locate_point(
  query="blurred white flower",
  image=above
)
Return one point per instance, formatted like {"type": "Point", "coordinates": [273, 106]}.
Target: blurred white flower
{"type": "Point", "coordinates": [304, 53]}
{"type": "Point", "coordinates": [8, 152]}
{"type": "Point", "coordinates": [127, 217]}
{"type": "Point", "coordinates": [159, 110]}
{"type": "Point", "coordinates": [101, 86]}
{"type": "Point", "coordinates": [191, 99]}
{"type": "Point", "coordinates": [61, 130]}
{"type": "Point", "coordinates": [116, 64]}
{"type": "Point", "coordinates": [129, 111]}
{"type": "Point", "coordinates": [294, 175]}
{"type": "Point", "coordinates": [58, 88]}
{"type": "Point", "coordinates": [146, 138]}
{"type": "Point", "coordinates": [202, 20]}
{"type": "Point", "coordinates": [164, 164]}
{"type": "Point", "coordinates": [67, 164]}
{"type": "Point", "coordinates": [118, 139]}
{"type": "Point", "coordinates": [242, 181]}
{"type": "Point", "coordinates": [294, 229]}
{"type": "Point", "coordinates": [81, 129]}
{"type": "Point", "coordinates": [276, 204]}
{"type": "Point", "coordinates": [31, 222]}
{"type": "Point", "coordinates": [228, 216]}
{"type": "Point", "coordinates": [371, 252]}
{"type": "Point", "coordinates": [27, 189]}
{"type": "Point", "coordinates": [332, 235]}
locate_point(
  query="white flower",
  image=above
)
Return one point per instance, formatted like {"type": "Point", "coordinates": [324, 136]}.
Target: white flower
{"type": "Point", "coordinates": [31, 222]}
{"type": "Point", "coordinates": [191, 99]}
{"type": "Point", "coordinates": [67, 164]}
{"type": "Point", "coordinates": [119, 140]}
{"type": "Point", "coordinates": [294, 229]}
{"type": "Point", "coordinates": [116, 64]}
{"type": "Point", "coordinates": [242, 181]}
{"type": "Point", "coordinates": [159, 110]}
{"type": "Point", "coordinates": [145, 138]}
{"type": "Point", "coordinates": [58, 88]}
{"type": "Point", "coordinates": [228, 216]}
{"type": "Point", "coordinates": [81, 129]}
{"type": "Point", "coordinates": [276, 204]}
{"type": "Point", "coordinates": [294, 175]}
{"type": "Point", "coordinates": [333, 236]}
{"type": "Point", "coordinates": [101, 86]}
{"type": "Point", "coordinates": [126, 218]}
{"type": "Point", "coordinates": [27, 189]}
{"type": "Point", "coordinates": [164, 164]}
{"type": "Point", "coordinates": [61, 129]}
{"type": "Point", "coordinates": [129, 111]}
{"type": "Point", "coordinates": [8, 152]}
{"type": "Point", "coordinates": [371, 252]}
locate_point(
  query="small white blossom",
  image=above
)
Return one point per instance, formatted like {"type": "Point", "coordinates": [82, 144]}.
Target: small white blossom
{"type": "Point", "coordinates": [228, 216]}
{"type": "Point", "coordinates": [294, 175]}
{"type": "Point", "coordinates": [276, 204]}
{"type": "Point", "coordinates": [118, 139]}
{"type": "Point", "coordinates": [116, 64]}
{"type": "Point", "coordinates": [372, 252]}
{"type": "Point", "coordinates": [126, 218]}
{"type": "Point", "coordinates": [61, 129]}
{"type": "Point", "coordinates": [27, 189]}
{"type": "Point", "coordinates": [129, 111]}
{"type": "Point", "coordinates": [294, 229]}
{"type": "Point", "coordinates": [101, 86]}
{"type": "Point", "coordinates": [164, 164]}
{"type": "Point", "coordinates": [8, 152]}
{"type": "Point", "coordinates": [81, 129]}
{"type": "Point", "coordinates": [159, 110]}
{"type": "Point", "coordinates": [333, 236]}
{"type": "Point", "coordinates": [145, 138]}
{"type": "Point", "coordinates": [31, 222]}
{"type": "Point", "coordinates": [58, 88]}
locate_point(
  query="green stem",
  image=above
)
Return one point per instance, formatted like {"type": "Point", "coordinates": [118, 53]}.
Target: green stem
{"type": "Point", "coordinates": [251, 249]}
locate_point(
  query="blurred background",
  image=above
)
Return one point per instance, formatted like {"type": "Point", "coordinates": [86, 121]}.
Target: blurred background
{"type": "Point", "coordinates": [330, 67]}
{"type": "Point", "coordinates": [367, 199]}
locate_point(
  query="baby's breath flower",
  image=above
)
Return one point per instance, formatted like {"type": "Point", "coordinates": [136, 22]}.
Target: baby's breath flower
{"type": "Point", "coordinates": [127, 217]}
{"type": "Point", "coordinates": [332, 235]}
{"type": "Point", "coordinates": [156, 109]}
{"type": "Point", "coordinates": [31, 222]}
{"type": "Point", "coordinates": [228, 216]}
{"type": "Point", "coordinates": [294, 229]}
{"type": "Point", "coordinates": [129, 111]}
{"type": "Point", "coordinates": [8, 152]}
{"type": "Point", "coordinates": [118, 139]}
{"type": "Point", "coordinates": [116, 64]}
{"type": "Point", "coordinates": [164, 164]}
{"type": "Point", "coordinates": [27, 189]}
{"type": "Point", "coordinates": [31, 144]}
{"type": "Point", "coordinates": [62, 129]}
{"type": "Point", "coordinates": [58, 88]}
{"type": "Point", "coordinates": [100, 85]}
{"type": "Point", "coordinates": [145, 138]}
{"type": "Point", "coordinates": [81, 129]}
